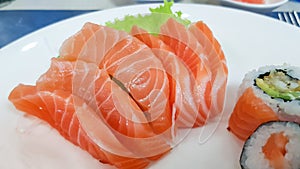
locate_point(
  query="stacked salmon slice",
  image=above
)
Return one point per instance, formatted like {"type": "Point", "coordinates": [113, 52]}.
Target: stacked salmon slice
{"type": "Point", "coordinates": [122, 96]}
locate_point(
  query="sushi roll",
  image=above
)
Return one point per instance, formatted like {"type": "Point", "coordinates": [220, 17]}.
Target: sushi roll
{"type": "Point", "coordinates": [273, 145]}
{"type": "Point", "coordinates": [267, 94]}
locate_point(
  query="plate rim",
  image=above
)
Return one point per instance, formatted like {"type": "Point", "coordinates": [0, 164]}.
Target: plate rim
{"type": "Point", "coordinates": [179, 5]}
{"type": "Point", "coordinates": [136, 6]}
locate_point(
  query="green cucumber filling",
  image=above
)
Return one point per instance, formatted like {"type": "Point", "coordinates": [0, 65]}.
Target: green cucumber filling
{"type": "Point", "coordinates": [278, 84]}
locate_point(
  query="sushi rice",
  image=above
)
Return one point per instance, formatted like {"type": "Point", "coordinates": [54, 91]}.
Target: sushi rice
{"type": "Point", "coordinates": [285, 110]}
{"type": "Point", "coordinates": [253, 157]}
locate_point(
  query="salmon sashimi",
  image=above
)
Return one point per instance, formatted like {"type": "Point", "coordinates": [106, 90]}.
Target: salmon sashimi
{"type": "Point", "coordinates": [249, 112]}
{"type": "Point", "coordinates": [253, 1]}
{"type": "Point", "coordinates": [189, 50]}
{"type": "Point", "coordinates": [122, 96]}
{"type": "Point", "coordinates": [127, 121]}
{"type": "Point", "coordinates": [217, 63]}
{"type": "Point", "coordinates": [57, 108]}
{"type": "Point", "coordinates": [91, 43]}
{"type": "Point", "coordinates": [131, 63]}
{"type": "Point", "coordinates": [135, 66]}
{"type": "Point", "coordinates": [181, 82]}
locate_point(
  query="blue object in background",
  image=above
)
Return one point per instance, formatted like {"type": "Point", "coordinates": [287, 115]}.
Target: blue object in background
{"type": "Point", "coordinates": [17, 23]}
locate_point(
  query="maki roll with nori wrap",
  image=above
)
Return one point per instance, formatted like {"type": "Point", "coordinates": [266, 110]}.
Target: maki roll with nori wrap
{"type": "Point", "coordinates": [267, 94]}
{"type": "Point", "coordinates": [273, 145]}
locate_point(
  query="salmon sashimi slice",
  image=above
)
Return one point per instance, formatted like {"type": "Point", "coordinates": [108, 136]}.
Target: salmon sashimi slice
{"type": "Point", "coordinates": [57, 108]}
{"type": "Point", "coordinates": [130, 62]}
{"type": "Point", "coordinates": [217, 63]}
{"type": "Point", "coordinates": [253, 1]}
{"type": "Point", "coordinates": [127, 121]}
{"type": "Point", "coordinates": [91, 43]}
{"type": "Point", "coordinates": [133, 64]}
{"type": "Point", "coordinates": [190, 52]}
{"type": "Point", "coordinates": [246, 117]}
{"type": "Point", "coordinates": [181, 82]}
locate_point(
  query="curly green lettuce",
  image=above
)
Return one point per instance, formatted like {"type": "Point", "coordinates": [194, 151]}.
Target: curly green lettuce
{"type": "Point", "coordinates": [149, 22]}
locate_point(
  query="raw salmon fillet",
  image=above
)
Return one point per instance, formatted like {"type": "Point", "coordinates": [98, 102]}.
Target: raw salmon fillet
{"type": "Point", "coordinates": [187, 48]}
{"type": "Point", "coordinates": [217, 64]}
{"type": "Point", "coordinates": [181, 82]}
{"type": "Point", "coordinates": [105, 96]}
{"type": "Point", "coordinates": [123, 96]}
{"type": "Point", "coordinates": [253, 1]}
{"type": "Point", "coordinates": [58, 109]}
{"type": "Point", "coordinates": [130, 62]}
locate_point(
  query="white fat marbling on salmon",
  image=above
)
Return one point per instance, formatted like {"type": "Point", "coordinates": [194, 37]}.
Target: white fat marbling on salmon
{"type": "Point", "coordinates": [177, 35]}
{"type": "Point", "coordinates": [217, 64]}
{"type": "Point", "coordinates": [133, 64]}
{"type": "Point", "coordinates": [184, 87]}
{"type": "Point", "coordinates": [184, 103]}
{"type": "Point", "coordinates": [91, 43]}
{"type": "Point", "coordinates": [118, 90]}
{"type": "Point", "coordinates": [125, 120]}
{"type": "Point", "coordinates": [122, 67]}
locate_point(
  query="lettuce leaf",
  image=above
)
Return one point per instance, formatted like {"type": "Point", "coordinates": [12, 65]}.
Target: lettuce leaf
{"type": "Point", "coordinates": [150, 22]}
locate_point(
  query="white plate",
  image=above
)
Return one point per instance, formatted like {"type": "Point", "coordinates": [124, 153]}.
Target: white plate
{"type": "Point", "coordinates": [268, 6]}
{"type": "Point", "coordinates": [249, 41]}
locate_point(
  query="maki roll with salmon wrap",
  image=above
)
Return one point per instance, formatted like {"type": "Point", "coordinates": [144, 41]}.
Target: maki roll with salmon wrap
{"type": "Point", "coordinates": [273, 145]}
{"type": "Point", "coordinates": [267, 94]}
